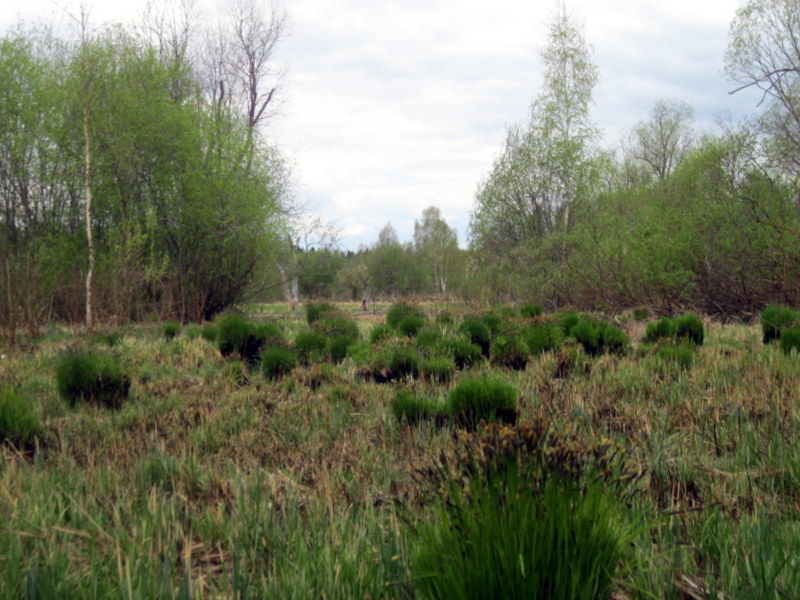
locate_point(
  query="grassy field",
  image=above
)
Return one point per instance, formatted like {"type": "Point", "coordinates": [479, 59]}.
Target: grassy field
{"type": "Point", "coordinates": [212, 481]}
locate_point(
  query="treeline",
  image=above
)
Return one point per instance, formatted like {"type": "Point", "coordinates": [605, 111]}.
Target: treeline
{"type": "Point", "coordinates": [135, 178]}
{"type": "Point", "coordinates": [672, 218]}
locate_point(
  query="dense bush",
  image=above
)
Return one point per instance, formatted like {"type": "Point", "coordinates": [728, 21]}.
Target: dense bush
{"type": "Point", "coordinates": [464, 353]}
{"type": "Point", "coordinates": [475, 399]}
{"type": "Point", "coordinates": [567, 321]}
{"type": "Point", "coordinates": [404, 361]}
{"type": "Point", "coordinates": [530, 310]}
{"type": "Point", "coordinates": [337, 325]}
{"type": "Point", "coordinates": [209, 332]}
{"type": "Point", "coordinates": [680, 355]}
{"type": "Point", "coordinates": [690, 327]}
{"type": "Point", "coordinates": [774, 319]}
{"type": "Point", "coordinates": [91, 377]}
{"type": "Point", "coordinates": [337, 347]}
{"type": "Point", "coordinates": [410, 325]}
{"type": "Point", "coordinates": [543, 337]}
{"type": "Point", "coordinates": [315, 311]}
{"type": "Point", "coordinates": [171, 329]}
{"type": "Point", "coordinates": [445, 319]}
{"type": "Point", "coordinates": [598, 337]}
{"type": "Point", "coordinates": [399, 311]}
{"type": "Point", "coordinates": [494, 322]}
{"type": "Point", "coordinates": [664, 328]}
{"type": "Point", "coordinates": [478, 333]}
{"type": "Point", "coordinates": [19, 423]}
{"type": "Point", "coordinates": [277, 361]}
{"type": "Point", "coordinates": [438, 369]}
{"type": "Point", "coordinates": [410, 409]}
{"type": "Point", "coordinates": [428, 339]}
{"type": "Point", "coordinates": [311, 346]}
{"type": "Point", "coordinates": [379, 333]}
{"type": "Point", "coordinates": [510, 351]}
{"type": "Point", "coordinates": [790, 340]}
{"type": "Point", "coordinates": [233, 330]}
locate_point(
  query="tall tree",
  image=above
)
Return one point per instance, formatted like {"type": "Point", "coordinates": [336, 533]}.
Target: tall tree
{"type": "Point", "coordinates": [764, 52]}
{"type": "Point", "coordinates": [437, 244]}
{"type": "Point", "coordinates": [663, 142]}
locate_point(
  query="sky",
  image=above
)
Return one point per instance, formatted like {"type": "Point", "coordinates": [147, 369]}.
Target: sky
{"type": "Point", "coordinates": [391, 106]}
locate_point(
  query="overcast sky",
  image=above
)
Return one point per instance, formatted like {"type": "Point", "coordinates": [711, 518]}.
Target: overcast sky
{"type": "Point", "coordinates": [393, 106]}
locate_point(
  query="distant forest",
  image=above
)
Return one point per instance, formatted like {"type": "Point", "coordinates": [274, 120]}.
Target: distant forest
{"type": "Point", "coordinates": [138, 180]}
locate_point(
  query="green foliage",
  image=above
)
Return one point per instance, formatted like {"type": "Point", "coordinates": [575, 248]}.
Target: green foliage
{"type": "Point", "coordinates": [664, 328]}
{"type": "Point", "coordinates": [19, 423]}
{"type": "Point", "coordinates": [337, 324]}
{"type": "Point", "coordinates": [482, 398]}
{"type": "Point", "coordinates": [530, 310]}
{"type": "Point", "coordinates": [108, 339]}
{"type": "Point", "coordinates": [568, 321]}
{"type": "Point", "coordinates": [233, 330]}
{"type": "Point", "coordinates": [411, 409]}
{"type": "Point", "coordinates": [379, 333]}
{"type": "Point", "coordinates": [790, 340]}
{"type": "Point", "coordinates": [404, 361]}
{"type": "Point", "coordinates": [543, 337]}
{"type": "Point", "coordinates": [91, 377]}
{"type": "Point", "coordinates": [464, 353]}
{"type": "Point", "coordinates": [774, 319]}
{"type": "Point", "coordinates": [315, 311]}
{"type": "Point", "coordinates": [445, 319]}
{"type": "Point", "coordinates": [361, 353]}
{"type": "Point", "coordinates": [494, 322]}
{"type": "Point", "coordinates": [410, 325]}
{"type": "Point", "coordinates": [429, 338]}
{"type": "Point", "coordinates": [277, 361]}
{"type": "Point", "coordinates": [171, 329]}
{"type": "Point", "coordinates": [400, 310]}
{"type": "Point", "coordinates": [438, 369]}
{"type": "Point", "coordinates": [641, 314]}
{"type": "Point", "coordinates": [478, 333]}
{"type": "Point", "coordinates": [680, 355]}
{"type": "Point", "coordinates": [598, 337]}
{"type": "Point", "coordinates": [310, 346]}
{"type": "Point", "coordinates": [690, 327]}
{"type": "Point", "coordinates": [510, 351]}
{"type": "Point", "coordinates": [209, 332]}
{"type": "Point", "coordinates": [337, 347]}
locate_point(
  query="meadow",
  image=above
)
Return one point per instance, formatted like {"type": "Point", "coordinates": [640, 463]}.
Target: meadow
{"type": "Point", "coordinates": [643, 469]}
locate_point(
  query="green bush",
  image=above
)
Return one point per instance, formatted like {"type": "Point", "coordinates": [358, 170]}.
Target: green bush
{"type": "Point", "coordinates": [337, 325]}
{"type": "Point", "coordinates": [683, 356]}
{"type": "Point", "coordinates": [478, 333]}
{"type": "Point", "coordinates": [598, 337]}
{"type": "Point", "coordinates": [337, 347]}
{"type": "Point", "coordinates": [774, 319]}
{"type": "Point", "coordinates": [438, 369]}
{"type": "Point", "coordinates": [664, 328]}
{"type": "Point", "coordinates": [510, 351]}
{"type": "Point", "coordinates": [428, 339]}
{"type": "Point", "coordinates": [410, 325]}
{"type": "Point", "coordinates": [399, 311]}
{"type": "Point", "coordinates": [310, 346]}
{"type": "Point", "coordinates": [404, 361]}
{"type": "Point", "coordinates": [233, 330]}
{"type": "Point", "coordinates": [208, 332]}
{"type": "Point", "coordinates": [107, 339]}
{"type": "Point", "coordinates": [494, 322]}
{"type": "Point", "coordinates": [790, 340]}
{"type": "Point", "coordinates": [315, 311]}
{"type": "Point", "coordinates": [482, 398]}
{"type": "Point", "coordinates": [361, 353]}
{"type": "Point", "coordinates": [171, 329]}
{"type": "Point", "coordinates": [464, 353]}
{"type": "Point", "coordinates": [445, 319]}
{"type": "Point", "coordinates": [379, 333]}
{"type": "Point", "coordinates": [277, 361]}
{"type": "Point", "coordinates": [410, 409]}
{"type": "Point", "coordinates": [19, 423]}
{"type": "Point", "coordinates": [530, 310]}
{"type": "Point", "coordinates": [690, 327]}
{"type": "Point", "coordinates": [568, 321]}
{"type": "Point", "coordinates": [91, 377]}
{"type": "Point", "coordinates": [543, 337]}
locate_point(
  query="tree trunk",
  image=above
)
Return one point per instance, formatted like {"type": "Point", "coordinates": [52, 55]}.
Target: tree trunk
{"type": "Point", "coordinates": [87, 182]}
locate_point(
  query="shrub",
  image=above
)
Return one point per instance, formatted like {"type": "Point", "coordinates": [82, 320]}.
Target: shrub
{"type": "Point", "coordinates": [662, 329]}
{"type": "Point", "coordinates": [399, 311]}
{"type": "Point", "coordinates": [542, 337]}
{"type": "Point", "coordinates": [530, 310]}
{"type": "Point", "coordinates": [232, 332]}
{"type": "Point", "coordinates": [429, 338]}
{"type": "Point", "coordinates": [690, 327]}
{"type": "Point", "coordinates": [19, 423]}
{"type": "Point", "coordinates": [171, 329]}
{"type": "Point", "coordinates": [445, 319]}
{"type": "Point", "coordinates": [108, 339]}
{"type": "Point", "coordinates": [464, 353]}
{"type": "Point", "coordinates": [337, 325]}
{"type": "Point", "coordinates": [315, 311]}
{"type": "Point", "coordinates": [597, 337]}
{"type": "Point", "coordinates": [310, 346]}
{"type": "Point", "coordinates": [91, 377]}
{"type": "Point", "coordinates": [774, 319]}
{"type": "Point", "coordinates": [478, 333]}
{"type": "Point", "coordinates": [337, 347]}
{"type": "Point", "coordinates": [410, 325]}
{"type": "Point", "coordinates": [790, 340]}
{"type": "Point", "coordinates": [683, 356]}
{"type": "Point", "coordinates": [360, 353]}
{"type": "Point", "coordinates": [510, 351]}
{"type": "Point", "coordinates": [277, 361]}
{"type": "Point", "coordinates": [208, 332]}
{"type": "Point", "coordinates": [408, 408]}
{"type": "Point", "coordinates": [568, 321]}
{"type": "Point", "coordinates": [494, 322]}
{"type": "Point", "coordinates": [482, 398]}
{"type": "Point", "coordinates": [439, 369]}
{"type": "Point", "coordinates": [404, 362]}
{"type": "Point", "coordinates": [379, 333]}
